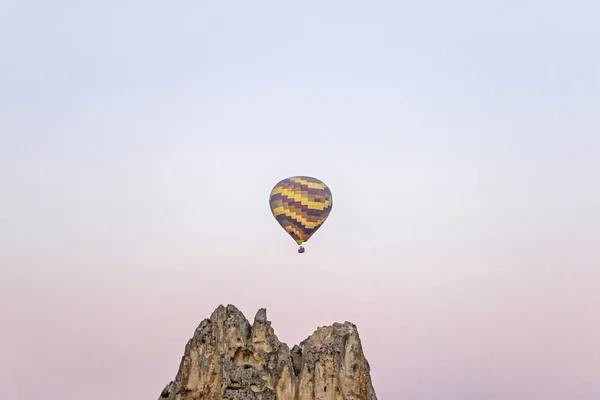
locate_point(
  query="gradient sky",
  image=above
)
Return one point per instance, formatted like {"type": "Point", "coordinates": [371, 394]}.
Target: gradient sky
{"type": "Point", "coordinates": [139, 141]}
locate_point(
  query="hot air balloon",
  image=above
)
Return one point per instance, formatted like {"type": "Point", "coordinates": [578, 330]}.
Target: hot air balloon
{"type": "Point", "coordinates": [300, 204]}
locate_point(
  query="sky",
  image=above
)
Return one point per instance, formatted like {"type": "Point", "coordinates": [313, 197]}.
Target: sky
{"type": "Point", "coordinates": [139, 141]}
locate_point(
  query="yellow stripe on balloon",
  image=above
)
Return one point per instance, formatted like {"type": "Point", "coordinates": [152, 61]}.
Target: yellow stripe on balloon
{"type": "Point", "coordinates": [297, 197]}
{"type": "Point", "coordinates": [299, 234]}
{"type": "Point", "coordinates": [312, 185]}
{"type": "Point", "coordinates": [297, 217]}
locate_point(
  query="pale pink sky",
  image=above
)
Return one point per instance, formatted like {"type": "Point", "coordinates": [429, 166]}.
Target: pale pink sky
{"type": "Point", "coordinates": [139, 142]}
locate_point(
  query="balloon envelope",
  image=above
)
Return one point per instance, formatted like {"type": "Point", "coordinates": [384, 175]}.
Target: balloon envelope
{"type": "Point", "coordinates": [301, 204]}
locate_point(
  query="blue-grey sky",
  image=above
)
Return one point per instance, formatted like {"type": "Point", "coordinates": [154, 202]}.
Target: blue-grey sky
{"type": "Point", "coordinates": [139, 141]}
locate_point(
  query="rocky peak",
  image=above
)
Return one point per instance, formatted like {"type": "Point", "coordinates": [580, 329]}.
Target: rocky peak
{"type": "Point", "coordinates": [230, 359]}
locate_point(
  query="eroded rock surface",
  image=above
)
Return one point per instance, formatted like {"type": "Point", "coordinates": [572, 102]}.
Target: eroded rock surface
{"type": "Point", "coordinates": [230, 359]}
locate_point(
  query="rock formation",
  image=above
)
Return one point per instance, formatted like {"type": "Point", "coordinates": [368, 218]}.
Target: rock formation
{"type": "Point", "coordinates": [230, 359]}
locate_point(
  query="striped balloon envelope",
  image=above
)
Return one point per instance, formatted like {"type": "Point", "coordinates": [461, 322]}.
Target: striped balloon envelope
{"type": "Point", "coordinates": [301, 204]}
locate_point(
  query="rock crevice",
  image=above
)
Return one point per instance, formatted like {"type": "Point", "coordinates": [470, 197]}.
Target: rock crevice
{"type": "Point", "coordinates": [230, 359]}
